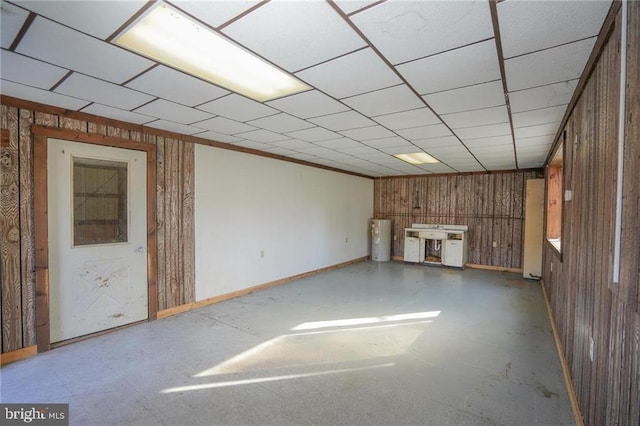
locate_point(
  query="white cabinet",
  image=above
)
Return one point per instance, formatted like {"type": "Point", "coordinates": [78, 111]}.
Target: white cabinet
{"type": "Point", "coordinates": [436, 244]}
{"type": "Point", "coordinates": [453, 254]}
{"type": "Point", "coordinates": [412, 249]}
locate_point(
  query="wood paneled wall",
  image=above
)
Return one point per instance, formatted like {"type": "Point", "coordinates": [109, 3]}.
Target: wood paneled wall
{"type": "Point", "coordinates": [491, 204]}
{"type": "Point", "coordinates": [586, 303]}
{"type": "Point", "coordinates": [175, 231]}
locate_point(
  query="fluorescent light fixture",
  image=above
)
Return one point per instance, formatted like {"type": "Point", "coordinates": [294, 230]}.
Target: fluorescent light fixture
{"type": "Point", "coordinates": [166, 35]}
{"type": "Point", "coordinates": [417, 158]}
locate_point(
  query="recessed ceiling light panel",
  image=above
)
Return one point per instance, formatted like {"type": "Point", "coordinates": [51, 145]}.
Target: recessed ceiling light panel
{"type": "Point", "coordinates": [166, 35]}
{"type": "Point", "coordinates": [417, 158]}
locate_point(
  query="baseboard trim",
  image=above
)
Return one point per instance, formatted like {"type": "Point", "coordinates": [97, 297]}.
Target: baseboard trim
{"type": "Point", "coordinates": [221, 298]}
{"type": "Point", "coordinates": [575, 407]}
{"type": "Point", "coordinates": [493, 268]}
{"type": "Point", "coordinates": [19, 354]}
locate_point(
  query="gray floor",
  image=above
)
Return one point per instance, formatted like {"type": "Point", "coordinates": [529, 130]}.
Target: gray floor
{"type": "Point", "coordinates": [369, 344]}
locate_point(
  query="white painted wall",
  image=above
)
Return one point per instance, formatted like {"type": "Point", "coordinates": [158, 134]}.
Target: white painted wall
{"type": "Point", "coordinates": [258, 219]}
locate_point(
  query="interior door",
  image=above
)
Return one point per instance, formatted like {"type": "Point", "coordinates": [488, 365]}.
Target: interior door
{"type": "Point", "coordinates": [97, 238]}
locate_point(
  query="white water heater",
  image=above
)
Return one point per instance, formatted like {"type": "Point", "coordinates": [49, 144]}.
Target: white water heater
{"type": "Point", "coordinates": [381, 240]}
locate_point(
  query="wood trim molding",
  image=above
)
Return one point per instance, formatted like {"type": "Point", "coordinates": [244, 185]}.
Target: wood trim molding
{"type": "Point", "coordinates": [575, 407]}
{"type": "Point", "coordinates": [221, 298]}
{"type": "Point", "coordinates": [493, 268]}
{"type": "Point", "coordinates": [9, 357]}
{"type": "Point", "coordinates": [41, 136]}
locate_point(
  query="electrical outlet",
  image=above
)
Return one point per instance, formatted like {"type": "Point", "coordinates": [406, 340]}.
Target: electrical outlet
{"type": "Point", "coordinates": [495, 244]}
{"type": "Point", "coordinates": [591, 348]}
{"type": "Point", "coordinates": [261, 253]}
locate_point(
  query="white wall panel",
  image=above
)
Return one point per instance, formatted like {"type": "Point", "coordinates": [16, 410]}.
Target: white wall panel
{"type": "Point", "coordinates": [258, 220]}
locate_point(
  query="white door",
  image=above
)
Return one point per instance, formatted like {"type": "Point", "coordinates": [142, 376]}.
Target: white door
{"type": "Point", "coordinates": [97, 238]}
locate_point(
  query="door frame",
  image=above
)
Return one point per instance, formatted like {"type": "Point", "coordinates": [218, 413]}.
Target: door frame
{"type": "Point", "coordinates": [41, 135]}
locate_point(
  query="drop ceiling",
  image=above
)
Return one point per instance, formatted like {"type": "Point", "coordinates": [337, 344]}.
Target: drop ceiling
{"type": "Point", "coordinates": [476, 90]}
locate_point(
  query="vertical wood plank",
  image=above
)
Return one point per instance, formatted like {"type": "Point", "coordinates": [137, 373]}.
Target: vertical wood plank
{"type": "Point", "coordinates": [10, 235]}
{"type": "Point", "coordinates": [27, 235]}
{"type": "Point", "coordinates": [160, 221]}
{"type": "Point", "coordinates": [188, 256]}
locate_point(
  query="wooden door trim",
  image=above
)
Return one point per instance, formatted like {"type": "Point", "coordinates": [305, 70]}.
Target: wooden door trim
{"type": "Point", "coordinates": [41, 136]}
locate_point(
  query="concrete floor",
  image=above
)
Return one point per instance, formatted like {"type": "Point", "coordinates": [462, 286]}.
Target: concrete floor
{"type": "Point", "coordinates": [369, 344]}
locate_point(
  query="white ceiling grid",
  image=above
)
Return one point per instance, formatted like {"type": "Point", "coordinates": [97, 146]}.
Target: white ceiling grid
{"type": "Point", "coordinates": [386, 77]}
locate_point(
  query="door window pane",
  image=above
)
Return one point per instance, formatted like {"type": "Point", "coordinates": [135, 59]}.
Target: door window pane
{"type": "Point", "coordinates": [99, 201]}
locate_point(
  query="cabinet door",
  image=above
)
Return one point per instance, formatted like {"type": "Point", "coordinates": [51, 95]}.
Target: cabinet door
{"type": "Point", "coordinates": [453, 253]}
{"type": "Point", "coordinates": [411, 249]}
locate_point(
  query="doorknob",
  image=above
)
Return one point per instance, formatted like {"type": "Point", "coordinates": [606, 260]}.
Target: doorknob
{"type": "Point", "coordinates": [139, 250]}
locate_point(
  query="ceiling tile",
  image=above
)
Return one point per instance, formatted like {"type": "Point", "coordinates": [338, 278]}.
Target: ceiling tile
{"type": "Point", "coordinates": [172, 112]}
{"type": "Point", "coordinates": [425, 132]}
{"type": "Point", "coordinates": [11, 20]}
{"type": "Point", "coordinates": [294, 34]}
{"type": "Point", "coordinates": [476, 118]}
{"type": "Point", "coordinates": [23, 70]}
{"type": "Point", "coordinates": [465, 66]}
{"type": "Point", "coordinates": [350, 6]}
{"type": "Point", "coordinates": [339, 143]}
{"type": "Point", "coordinates": [314, 134]}
{"type": "Point", "coordinates": [387, 142]}
{"type": "Point", "coordinates": [238, 108]}
{"type": "Point", "coordinates": [399, 29]}
{"type": "Point", "coordinates": [320, 151]}
{"type": "Point", "coordinates": [366, 133]}
{"type": "Point", "coordinates": [184, 89]}
{"type": "Point", "coordinates": [541, 149]}
{"type": "Point", "coordinates": [215, 12]}
{"type": "Point", "coordinates": [281, 123]}
{"type": "Point", "coordinates": [385, 101]}
{"type": "Point", "coordinates": [527, 26]}
{"type": "Point", "coordinates": [554, 65]}
{"type": "Point", "coordinates": [343, 77]}
{"type": "Point", "coordinates": [88, 55]}
{"type": "Point", "coordinates": [539, 130]}
{"type": "Point", "coordinates": [359, 150]}
{"type": "Point", "coordinates": [543, 96]}
{"type": "Point", "coordinates": [97, 18]}
{"type": "Point", "coordinates": [539, 116]}
{"type": "Point", "coordinates": [484, 95]}
{"type": "Point", "coordinates": [490, 141]}
{"type": "Point", "coordinates": [117, 114]}
{"type": "Point", "coordinates": [343, 121]}
{"type": "Point", "coordinates": [293, 144]}
{"type": "Point", "coordinates": [92, 89]}
{"type": "Point", "coordinates": [172, 126]}
{"type": "Point", "coordinates": [484, 131]}
{"type": "Point", "coordinates": [28, 93]}
{"type": "Point", "coordinates": [308, 104]}
{"type": "Point", "coordinates": [218, 137]}
{"type": "Point", "coordinates": [408, 119]}
{"type": "Point", "coordinates": [262, 135]}
{"type": "Point", "coordinates": [400, 149]}
{"type": "Point", "coordinates": [535, 140]}
{"type": "Point", "coordinates": [224, 126]}
{"type": "Point", "coordinates": [445, 141]}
